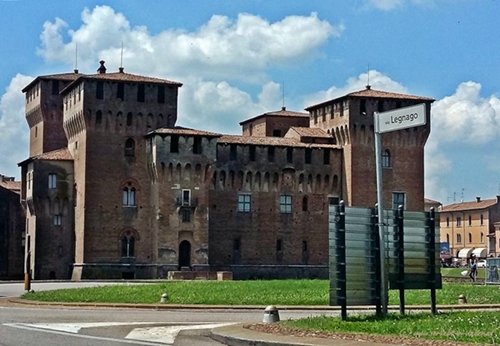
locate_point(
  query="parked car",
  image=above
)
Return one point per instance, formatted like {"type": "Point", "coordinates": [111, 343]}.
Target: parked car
{"type": "Point", "coordinates": [482, 264]}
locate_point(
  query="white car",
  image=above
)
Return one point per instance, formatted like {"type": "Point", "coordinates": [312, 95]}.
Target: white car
{"type": "Point", "coordinates": [482, 264]}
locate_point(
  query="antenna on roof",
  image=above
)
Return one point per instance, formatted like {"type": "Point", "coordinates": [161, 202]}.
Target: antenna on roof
{"type": "Point", "coordinates": [121, 60]}
{"type": "Point", "coordinates": [76, 57]}
{"type": "Point", "coordinates": [368, 86]}
{"type": "Point", "coordinates": [283, 97]}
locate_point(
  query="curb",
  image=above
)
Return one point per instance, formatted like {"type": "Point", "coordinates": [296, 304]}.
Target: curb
{"type": "Point", "coordinates": [167, 306]}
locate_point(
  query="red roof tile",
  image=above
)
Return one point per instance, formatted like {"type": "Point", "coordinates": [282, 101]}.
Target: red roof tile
{"type": "Point", "coordinates": [14, 186]}
{"type": "Point", "coordinates": [281, 113]}
{"type": "Point", "coordinates": [474, 205]}
{"type": "Point", "coordinates": [310, 132]}
{"type": "Point", "coordinates": [184, 131]}
{"type": "Point", "coordinates": [273, 141]}
{"type": "Point", "coordinates": [371, 93]}
{"type": "Point", "coordinates": [56, 155]}
{"type": "Point", "coordinates": [60, 76]}
{"type": "Point", "coordinates": [121, 77]}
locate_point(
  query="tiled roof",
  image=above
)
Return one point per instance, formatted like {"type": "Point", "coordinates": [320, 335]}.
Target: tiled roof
{"type": "Point", "coordinates": [310, 132]}
{"type": "Point", "coordinates": [60, 76]}
{"type": "Point", "coordinates": [431, 201]}
{"type": "Point", "coordinates": [469, 205]}
{"type": "Point", "coordinates": [184, 131]}
{"type": "Point", "coordinates": [274, 141]}
{"type": "Point", "coordinates": [281, 113]}
{"type": "Point", "coordinates": [11, 185]}
{"type": "Point", "coordinates": [371, 93]}
{"type": "Point", "coordinates": [56, 155]}
{"type": "Point", "coordinates": [121, 77]}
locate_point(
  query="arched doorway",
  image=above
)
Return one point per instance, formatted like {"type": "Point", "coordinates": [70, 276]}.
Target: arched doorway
{"type": "Point", "coordinates": [184, 254]}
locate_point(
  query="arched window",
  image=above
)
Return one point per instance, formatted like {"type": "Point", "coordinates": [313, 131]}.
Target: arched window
{"type": "Point", "coordinates": [128, 246]}
{"type": "Point", "coordinates": [386, 159]}
{"type": "Point", "coordinates": [448, 238]}
{"type": "Point", "coordinates": [128, 196]}
{"type": "Point", "coordinates": [459, 238]}
{"type": "Point", "coordinates": [304, 203]}
{"type": "Point", "coordinates": [130, 148]}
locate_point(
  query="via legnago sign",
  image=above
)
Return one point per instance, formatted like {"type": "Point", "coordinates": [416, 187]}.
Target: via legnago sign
{"type": "Point", "coordinates": [401, 118]}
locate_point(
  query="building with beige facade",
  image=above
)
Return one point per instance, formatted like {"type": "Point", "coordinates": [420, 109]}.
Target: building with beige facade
{"type": "Point", "coordinates": [114, 189]}
{"type": "Point", "coordinates": [471, 228]}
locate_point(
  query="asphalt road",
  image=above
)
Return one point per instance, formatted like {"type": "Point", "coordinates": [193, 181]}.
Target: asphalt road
{"type": "Point", "coordinates": [43, 326]}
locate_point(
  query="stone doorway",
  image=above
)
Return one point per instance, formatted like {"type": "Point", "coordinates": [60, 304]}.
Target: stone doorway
{"type": "Point", "coordinates": [184, 254]}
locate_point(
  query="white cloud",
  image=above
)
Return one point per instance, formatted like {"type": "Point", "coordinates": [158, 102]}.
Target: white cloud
{"type": "Point", "coordinates": [467, 117]}
{"type": "Point", "coordinates": [14, 130]}
{"type": "Point", "coordinates": [222, 48]}
{"type": "Point", "coordinates": [377, 80]}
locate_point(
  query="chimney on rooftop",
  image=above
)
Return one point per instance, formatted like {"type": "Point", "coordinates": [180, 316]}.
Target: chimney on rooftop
{"type": "Point", "coordinates": [75, 70]}
{"type": "Point", "coordinates": [102, 68]}
{"type": "Point", "coordinates": [120, 69]}
{"type": "Point", "coordinates": [283, 108]}
{"type": "Point", "coordinates": [368, 87]}
{"type": "Point", "coordinates": [478, 199]}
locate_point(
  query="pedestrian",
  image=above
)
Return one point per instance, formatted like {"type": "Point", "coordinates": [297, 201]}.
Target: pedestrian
{"type": "Point", "coordinates": [473, 268]}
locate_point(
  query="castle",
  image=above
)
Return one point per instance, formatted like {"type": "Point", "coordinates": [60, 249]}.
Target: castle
{"type": "Point", "coordinates": [114, 189]}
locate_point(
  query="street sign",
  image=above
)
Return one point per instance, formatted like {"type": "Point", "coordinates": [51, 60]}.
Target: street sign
{"type": "Point", "coordinates": [401, 118]}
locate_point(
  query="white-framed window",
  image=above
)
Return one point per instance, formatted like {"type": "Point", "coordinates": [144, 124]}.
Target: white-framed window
{"type": "Point", "coordinates": [285, 204]}
{"type": "Point", "coordinates": [52, 181]}
{"type": "Point", "coordinates": [244, 203]}
{"type": "Point", "coordinates": [128, 196]}
{"type": "Point", "coordinates": [186, 197]}
{"type": "Point", "coordinates": [57, 220]}
{"type": "Point", "coordinates": [398, 198]}
{"type": "Point", "coordinates": [386, 159]}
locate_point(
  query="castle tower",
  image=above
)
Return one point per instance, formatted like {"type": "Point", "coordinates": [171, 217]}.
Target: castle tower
{"type": "Point", "coordinates": [349, 119]}
{"type": "Point", "coordinates": [106, 118]}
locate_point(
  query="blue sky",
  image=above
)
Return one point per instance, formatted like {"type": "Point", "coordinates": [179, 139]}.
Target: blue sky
{"type": "Point", "coordinates": [235, 56]}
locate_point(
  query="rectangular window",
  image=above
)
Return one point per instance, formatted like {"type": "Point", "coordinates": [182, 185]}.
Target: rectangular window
{"type": "Point", "coordinates": [447, 222]}
{"type": "Point", "coordinates": [459, 221]}
{"type": "Point", "coordinates": [326, 156]}
{"type": "Point", "coordinates": [279, 245]}
{"type": "Point", "coordinates": [252, 153]}
{"type": "Point", "coordinates": [236, 244]}
{"type": "Point", "coordinates": [333, 200]}
{"type": "Point", "coordinates": [289, 155]}
{"type": "Point", "coordinates": [55, 87]}
{"type": "Point", "coordinates": [186, 215]}
{"type": "Point", "coordinates": [308, 155]}
{"type": "Point", "coordinates": [470, 220]}
{"type": "Point", "coordinates": [482, 220]}
{"type": "Point", "coordinates": [232, 152]}
{"type": "Point", "coordinates": [398, 198]}
{"type": "Point", "coordinates": [244, 203]}
{"type": "Point", "coordinates": [99, 91]}
{"type": "Point", "coordinates": [186, 197]}
{"type": "Point", "coordinates": [362, 107]}
{"type": "Point", "coordinates": [174, 144]}
{"type": "Point", "coordinates": [285, 204]}
{"type": "Point", "coordinates": [197, 145]}
{"type": "Point", "coordinates": [52, 181]}
{"type": "Point", "coordinates": [57, 220]}
{"type": "Point", "coordinates": [140, 93]}
{"type": "Point", "coordinates": [161, 94]}
{"type": "Point", "coordinates": [276, 133]}
{"type": "Point", "coordinates": [120, 91]}
{"type": "Point", "coordinates": [270, 154]}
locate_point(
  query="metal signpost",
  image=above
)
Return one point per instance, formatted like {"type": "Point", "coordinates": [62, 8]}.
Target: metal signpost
{"type": "Point", "coordinates": [397, 119]}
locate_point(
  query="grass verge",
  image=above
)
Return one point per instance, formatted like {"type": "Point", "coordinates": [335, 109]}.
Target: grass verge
{"type": "Point", "coordinates": [276, 292]}
{"type": "Point", "coordinates": [474, 327]}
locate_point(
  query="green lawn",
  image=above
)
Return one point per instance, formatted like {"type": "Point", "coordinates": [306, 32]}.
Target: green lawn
{"type": "Point", "coordinates": [276, 292]}
{"type": "Point", "coordinates": [479, 327]}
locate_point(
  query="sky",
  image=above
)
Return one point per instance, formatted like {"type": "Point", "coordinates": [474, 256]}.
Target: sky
{"type": "Point", "coordinates": [238, 59]}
